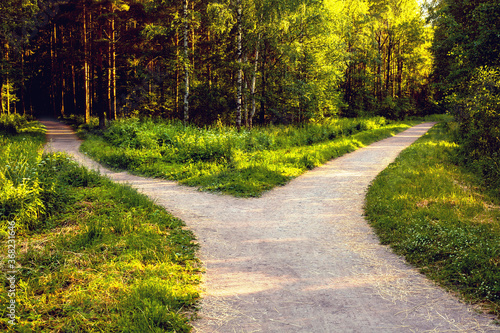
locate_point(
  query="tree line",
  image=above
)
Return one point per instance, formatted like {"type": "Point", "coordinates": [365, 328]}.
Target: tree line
{"type": "Point", "coordinates": [237, 61]}
{"type": "Point", "coordinates": [466, 49]}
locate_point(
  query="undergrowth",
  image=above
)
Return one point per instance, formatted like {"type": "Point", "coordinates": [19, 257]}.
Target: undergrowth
{"type": "Point", "coordinates": [221, 159]}
{"type": "Point", "coordinates": [439, 218]}
{"type": "Point", "coordinates": [91, 255]}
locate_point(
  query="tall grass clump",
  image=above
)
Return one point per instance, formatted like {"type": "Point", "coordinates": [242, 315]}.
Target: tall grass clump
{"type": "Point", "coordinates": [437, 215]}
{"type": "Point", "coordinates": [219, 158]}
{"type": "Point", "coordinates": [21, 161]}
{"type": "Point", "coordinates": [91, 255]}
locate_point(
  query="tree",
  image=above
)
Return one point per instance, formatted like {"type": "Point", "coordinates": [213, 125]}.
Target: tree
{"type": "Point", "coordinates": [385, 41]}
{"type": "Point", "coordinates": [466, 73]}
{"type": "Point", "coordinates": [237, 61]}
{"type": "Point", "coordinates": [467, 37]}
{"type": "Point", "coordinates": [186, 62]}
{"type": "Point", "coordinates": [240, 70]}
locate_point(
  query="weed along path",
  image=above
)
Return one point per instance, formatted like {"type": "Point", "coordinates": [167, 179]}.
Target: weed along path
{"type": "Point", "coordinates": [302, 258]}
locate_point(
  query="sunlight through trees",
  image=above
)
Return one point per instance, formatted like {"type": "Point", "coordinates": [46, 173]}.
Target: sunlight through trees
{"type": "Point", "coordinates": [238, 61]}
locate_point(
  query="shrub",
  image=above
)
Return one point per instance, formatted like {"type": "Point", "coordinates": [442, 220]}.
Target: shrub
{"type": "Point", "coordinates": [219, 158]}
{"type": "Point", "coordinates": [13, 124]}
{"type": "Point", "coordinates": [478, 114]}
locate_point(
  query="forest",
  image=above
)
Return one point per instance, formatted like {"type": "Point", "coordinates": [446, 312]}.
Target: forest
{"type": "Point", "coordinates": [238, 61]}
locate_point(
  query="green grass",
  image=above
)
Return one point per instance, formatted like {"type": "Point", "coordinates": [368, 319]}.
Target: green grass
{"type": "Point", "coordinates": [221, 159]}
{"type": "Point", "coordinates": [436, 215]}
{"type": "Point", "coordinates": [92, 256]}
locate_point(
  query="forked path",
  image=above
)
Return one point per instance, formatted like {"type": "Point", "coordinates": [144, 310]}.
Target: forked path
{"type": "Point", "coordinates": [302, 258]}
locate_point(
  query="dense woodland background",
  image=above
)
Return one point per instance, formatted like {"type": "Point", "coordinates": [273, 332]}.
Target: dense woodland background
{"type": "Point", "coordinates": [204, 60]}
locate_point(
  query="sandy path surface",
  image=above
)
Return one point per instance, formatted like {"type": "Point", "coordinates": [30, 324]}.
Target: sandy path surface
{"type": "Point", "coordinates": [302, 258]}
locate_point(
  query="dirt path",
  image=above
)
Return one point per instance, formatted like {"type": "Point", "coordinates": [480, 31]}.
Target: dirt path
{"type": "Point", "coordinates": [302, 258]}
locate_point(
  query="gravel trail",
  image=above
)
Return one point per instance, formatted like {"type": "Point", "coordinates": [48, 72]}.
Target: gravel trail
{"type": "Point", "coordinates": [302, 258]}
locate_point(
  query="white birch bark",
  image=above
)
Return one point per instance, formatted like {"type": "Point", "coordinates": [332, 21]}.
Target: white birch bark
{"type": "Point", "coordinates": [186, 64]}
{"type": "Point", "coordinates": [254, 81]}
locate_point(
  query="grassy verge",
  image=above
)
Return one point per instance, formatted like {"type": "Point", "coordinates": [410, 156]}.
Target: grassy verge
{"type": "Point", "coordinates": [221, 159]}
{"type": "Point", "coordinates": [91, 255]}
{"type": "Point", "coordinates": [436, 215]}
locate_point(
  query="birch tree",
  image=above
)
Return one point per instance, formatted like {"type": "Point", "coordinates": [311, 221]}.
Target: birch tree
{"type": "Point", "coordinates": [186, 61]}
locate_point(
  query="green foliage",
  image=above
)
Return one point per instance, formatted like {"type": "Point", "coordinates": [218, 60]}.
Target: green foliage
{"type": "Point", "coordinates": [467, 37]}
{"type": "Point", "coordinates": [433, 212]}
{"type": "Point", "coordinates": [478, 113]}
{"type": "Point", "coordinates": [25, 198]}
{"type": "Point", "coordinates": [388, 59]}
{"type": "Point", "coordinates": [217, 158]}
{"type": "Point", "coordinates": [96, 256]}
{"type": "Point", "coordinates": [16, 124]}
{"type": "Point", "coordinates": [9, 98]}
{"type": "Point", "coordinates": [33, 185]}
{"type": "Point", "coordinates": [81, 127]}
{"type": "Point", "coordinates": [467, 75]}
{"type": "Point", "coordinates": [300, 59]}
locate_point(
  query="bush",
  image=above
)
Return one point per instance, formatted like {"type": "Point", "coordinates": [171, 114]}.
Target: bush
{"type": "Point", "coordinates": [21, 190]}
{"type": "Point", "coordinates": [33, 185]}
{"type": "Point", "coordinates": [478, 114]}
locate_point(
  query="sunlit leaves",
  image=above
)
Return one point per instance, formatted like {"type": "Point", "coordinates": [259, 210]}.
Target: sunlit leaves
{"type": "Point", "coordinates": [221, 17]}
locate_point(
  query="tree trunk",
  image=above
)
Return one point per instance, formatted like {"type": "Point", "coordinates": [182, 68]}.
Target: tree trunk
{"type": "Point", "coordinates": [2, 79]}
{"type": "Point", "coordinates": [400, 73]}
{"type": "Point", "coordinates": [193, 40]}
{"type": "Point", "coordinates": [263, 97]}
{"type": "Point", "coordinates": [7, 79]}
{"type": "Point", "coordinates": [2, 74]}
{"type": "Point", "coordinates": [209, 63]}
{"type": "Point", "coordinates": [86, 67]}
{"type": "Point", "coordinates": [113, 73]}
{"type": "Point", "coordinates": [53, 71]}
{"type": "Point", "coordinates": [101, 103]}
{"type": "Point", "coordinates": [254, 82]}
{"type": "Point", "coordinates": [240, 70]}
{"type": "Point", "coordinates": [244, 96]}
{"type": "Point", "coordinates": [379, 70]}
{"type": "Point", "coordinates": [73, 78]}
{"type": "Point", "coordinates": [177, 75]}
{"type": "Point", "coordinates": [62, 79]}
{"type": "Point", "coordinates": [8, 95]}
{"type": "Point", "coordinates": [186, 64]}
{"type": "Point", "coordinates": [22, 94]}
{"type": "Point", "coordinates": [102, 81]}
{"type": "Point", "coordinates": [111, 68]}
{"type": "Point", "coordinates": [388, 73]}
{"type": "Point", "coordinates": [2, 110]}
{"type": "Point", "coordinates": [63, 86]}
